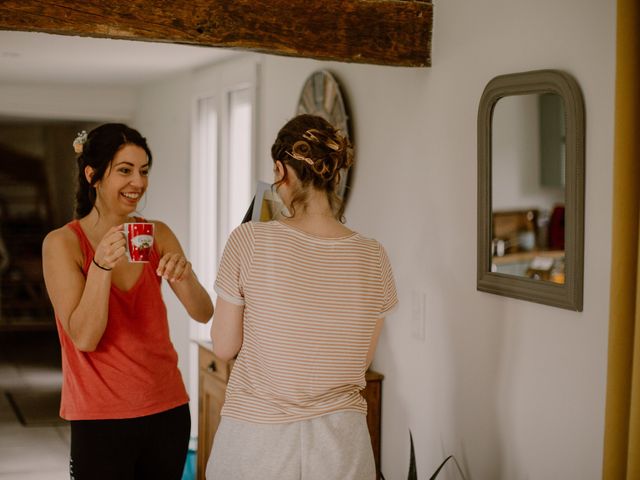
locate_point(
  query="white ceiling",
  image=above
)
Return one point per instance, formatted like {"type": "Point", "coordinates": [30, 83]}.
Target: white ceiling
{"type": "Point", "coordinates": [37, 58]}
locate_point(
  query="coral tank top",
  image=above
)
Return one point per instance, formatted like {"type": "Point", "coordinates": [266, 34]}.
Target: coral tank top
{"type": "Point", "coordinates": [134, 370]}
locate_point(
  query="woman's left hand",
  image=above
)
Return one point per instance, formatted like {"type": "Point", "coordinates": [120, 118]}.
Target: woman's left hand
{"type": "Point", "coordinates": [174, 267]}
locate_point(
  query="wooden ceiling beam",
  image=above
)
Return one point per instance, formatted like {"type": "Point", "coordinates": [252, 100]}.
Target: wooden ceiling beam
{"type": "Point", "coordinates": [384, 32]}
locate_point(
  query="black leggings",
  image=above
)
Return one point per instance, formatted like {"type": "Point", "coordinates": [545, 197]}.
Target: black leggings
{"type": "Point", "coordinates": [152, 447]}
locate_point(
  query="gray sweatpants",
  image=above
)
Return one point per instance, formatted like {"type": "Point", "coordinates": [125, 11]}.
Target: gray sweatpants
{"type": "Point", "coordinates": [336, 446]}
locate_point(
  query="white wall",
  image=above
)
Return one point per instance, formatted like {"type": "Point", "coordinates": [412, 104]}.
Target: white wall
{"type": "Point", "coordinates": [69, 102]}
{"type": "Point", "coordinates": [514, 389]}
{"type": "Point", "coordinates": [516, 164]}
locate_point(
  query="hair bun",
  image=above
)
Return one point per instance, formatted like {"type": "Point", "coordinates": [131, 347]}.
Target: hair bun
{"type": "Point", "coordinates": [301, 151]}
{"type": "Point", "coordinates": [318, 154]}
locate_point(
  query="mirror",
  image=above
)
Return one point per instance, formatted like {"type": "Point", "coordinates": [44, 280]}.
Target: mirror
{"type": "Point", "coordinates": [37, 190]}
{"type": "Point", "coordinates": [531, 188]}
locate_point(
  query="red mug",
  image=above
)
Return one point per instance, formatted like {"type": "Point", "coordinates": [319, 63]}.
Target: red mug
{"type": "Point", "coordinates": [139, 238]}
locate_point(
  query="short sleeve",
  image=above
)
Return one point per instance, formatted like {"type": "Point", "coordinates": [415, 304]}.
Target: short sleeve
{"type": "Point", "coordinates": [389, 294]}
{"type": "Point", "coordinates": [234, 265]}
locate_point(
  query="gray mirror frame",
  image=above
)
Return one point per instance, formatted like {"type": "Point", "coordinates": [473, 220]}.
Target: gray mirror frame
{"type": "Point", "coordinates": [569, 294]}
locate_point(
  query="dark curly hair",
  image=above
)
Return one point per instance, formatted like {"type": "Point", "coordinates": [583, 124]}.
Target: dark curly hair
{"type": "Point", "coordinates": [318, 153]}
{"type": "Point", "coordinates": [101, 146]}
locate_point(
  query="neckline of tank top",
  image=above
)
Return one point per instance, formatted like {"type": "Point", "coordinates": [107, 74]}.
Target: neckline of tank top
{"type": "Point", "coordinates": [86, 237]}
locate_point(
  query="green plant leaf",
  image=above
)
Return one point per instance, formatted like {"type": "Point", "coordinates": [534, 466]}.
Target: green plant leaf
{"type": "Point", "coordinates": [413, 471]}
{"type": "Point", "coordinates": [435, 474]}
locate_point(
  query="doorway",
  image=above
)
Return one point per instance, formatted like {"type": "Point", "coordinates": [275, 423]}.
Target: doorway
{"type": "Point", "coordinates": [37, 170]}
{"type": "Point", "coordinates": [37, 178]}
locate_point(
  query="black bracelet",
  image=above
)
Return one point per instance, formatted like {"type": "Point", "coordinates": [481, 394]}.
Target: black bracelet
{"type": "Point", "coordinates": [100, 266]}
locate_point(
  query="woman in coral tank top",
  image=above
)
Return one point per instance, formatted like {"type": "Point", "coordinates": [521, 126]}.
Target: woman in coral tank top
{"type": "Point", "coordinates": [122, 391]}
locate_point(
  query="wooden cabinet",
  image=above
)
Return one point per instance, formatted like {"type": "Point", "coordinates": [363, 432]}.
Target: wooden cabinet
{"type": "Point", "coordinates": [372, 393]}
{"type": "Point", "coordinates": [213, 375]}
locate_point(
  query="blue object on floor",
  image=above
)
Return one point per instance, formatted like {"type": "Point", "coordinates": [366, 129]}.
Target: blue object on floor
{"type": "Point", "coordinates": [189, 472]}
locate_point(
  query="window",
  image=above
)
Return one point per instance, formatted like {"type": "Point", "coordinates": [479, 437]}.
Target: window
{"type": "Point", "coordinates": [204, 178]}
{"type": "Point", "coordinates": [240, 122]}
{"type": "Point", "coordinates": [222, 173]}
{"type": "Point", "coordinates": [236, 186]}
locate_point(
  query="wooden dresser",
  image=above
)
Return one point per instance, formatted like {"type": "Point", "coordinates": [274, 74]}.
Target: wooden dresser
{"type": "Point", "coordinates": [213, 375]}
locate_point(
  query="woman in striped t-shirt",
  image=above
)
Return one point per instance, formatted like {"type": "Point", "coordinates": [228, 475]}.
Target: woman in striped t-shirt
{"type": "Point", "coordinates": [301, 302]}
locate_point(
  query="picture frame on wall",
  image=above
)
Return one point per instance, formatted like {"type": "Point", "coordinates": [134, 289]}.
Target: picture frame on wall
{"type": "Point", "coordinates": [266, 205]}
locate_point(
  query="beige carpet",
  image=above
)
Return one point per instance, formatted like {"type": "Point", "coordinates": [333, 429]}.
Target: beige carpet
{"type": "Point", "coordinates": [36, 408]}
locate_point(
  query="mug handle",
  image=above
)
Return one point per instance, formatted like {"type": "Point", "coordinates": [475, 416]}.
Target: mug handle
{"type": "Point", "coordinates": [125, 232]}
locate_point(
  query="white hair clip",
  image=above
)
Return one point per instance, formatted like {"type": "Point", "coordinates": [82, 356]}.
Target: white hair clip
{"type": "Point", "coordinates": [79, 141]}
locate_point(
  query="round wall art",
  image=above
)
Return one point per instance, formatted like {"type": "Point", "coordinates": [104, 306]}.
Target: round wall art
{"type": "Point", "coordinates": [321, 96]}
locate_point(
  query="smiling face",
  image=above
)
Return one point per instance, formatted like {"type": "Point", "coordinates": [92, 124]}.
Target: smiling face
{"type": "Point", "coordinates": [124, 182]}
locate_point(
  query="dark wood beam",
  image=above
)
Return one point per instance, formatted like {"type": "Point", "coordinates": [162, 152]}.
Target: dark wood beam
{"type": "Point", "coordinates": [386, 32]}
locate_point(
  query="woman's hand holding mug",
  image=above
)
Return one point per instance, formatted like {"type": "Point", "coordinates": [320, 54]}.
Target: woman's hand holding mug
{"type": "Point", "coordinates": [110, 249]}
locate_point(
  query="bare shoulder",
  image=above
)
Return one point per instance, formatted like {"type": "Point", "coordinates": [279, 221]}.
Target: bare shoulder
{"type": "Point", "coordinates": [61, 243]}
{"type": "Point", "coordinates": [165, 240]}
{"type": "Point", "coordinates": [62, 237]}
{"type": "Point", "coordinates": [161, 230]}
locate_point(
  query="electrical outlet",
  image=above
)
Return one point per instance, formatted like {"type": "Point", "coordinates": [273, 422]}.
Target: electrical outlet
{"type": "Point", "coordinates": [418, 314]}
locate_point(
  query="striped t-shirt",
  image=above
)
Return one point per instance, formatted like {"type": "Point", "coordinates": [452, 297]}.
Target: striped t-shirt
{"type": "Point", "coordinates": [310, 308]}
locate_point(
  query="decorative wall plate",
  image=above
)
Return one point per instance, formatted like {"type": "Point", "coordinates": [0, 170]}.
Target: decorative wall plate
{"type": "Point", "coordinates": [321, 96]}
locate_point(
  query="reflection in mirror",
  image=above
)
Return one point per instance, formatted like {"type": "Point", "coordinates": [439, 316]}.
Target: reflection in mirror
{"type": "Point", "coordinates": [52, 87]}
{"type": "Point", "coordinates": [528, 194]}
{"type": "Point", "coordinates": [531, 188]}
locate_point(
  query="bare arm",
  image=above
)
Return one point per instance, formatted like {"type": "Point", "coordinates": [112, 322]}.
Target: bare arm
{"type": "Point", "coordinates": [227, 329]}
{"type": "Point", "coordinates": [176, 269]}
{"type": "Point", "coordinates": [374, 341]}
{"type": "Point", "coordinates": [81, 304]}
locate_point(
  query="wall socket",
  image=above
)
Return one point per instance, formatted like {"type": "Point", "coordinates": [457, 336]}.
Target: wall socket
{"type": "Point", "coordinates": [418, 314]}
